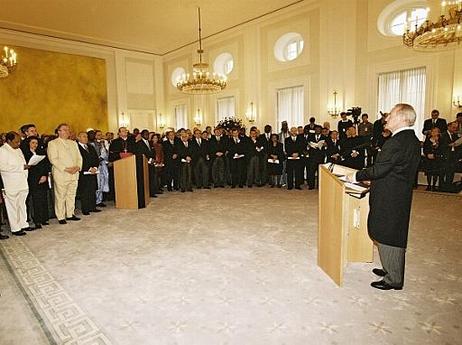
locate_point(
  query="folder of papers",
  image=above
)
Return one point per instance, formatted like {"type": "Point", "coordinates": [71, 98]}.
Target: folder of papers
{"type": "Point", "coordinates": [273, 161]}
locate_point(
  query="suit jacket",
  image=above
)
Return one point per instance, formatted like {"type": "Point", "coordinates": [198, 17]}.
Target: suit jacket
{"type": "Point", "coordinates": [392, 179]}
{"type": "Point", "coordinates": [317, 154]}
{"type": "Point", "coordinates": [332, 149]}
{"type": "Point", "coordinates": [440, 123]}
{"type": "Point", "coordinates": [184, 151]}
{"type": "Point", "coordinates": [218, 146]}
{"type": "Point", "coordinates": [37, 171]}
{"type": "Point", "coordinates": [447, 151]}
{"type": "Point", "coordinates": [252, 147]}
{"type": "Point", "coordinates": [240, 148]}
{"type": "Point", "coordinates": [201, 151]}
{"type": "Point", "coordinates": [296, 146]}
{"type": "Point", "coordinates": [343, 126]}
{"type": "Point", "coordinates": [64, 154]}
{"type": "Point", "coordinates": [89, 159]}
{"type": "Point", "coordinates": [143, 149]}
{"type": "Point", "coordinates": [263, 141]}
{"type": "Point", "coordinates": [169, 150]}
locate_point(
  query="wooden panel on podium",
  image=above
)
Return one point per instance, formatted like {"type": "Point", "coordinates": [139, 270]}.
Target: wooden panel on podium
{"type": "Point", "coordinates": [342, 232]}
{"type": "Point", "coordinates": [125, 183]}
{"type": "Point", "coordinates": [131, 182]}
{"type": "Point", "coordinates": [331, 235]}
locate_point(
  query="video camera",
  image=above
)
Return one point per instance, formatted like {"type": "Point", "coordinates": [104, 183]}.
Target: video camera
{"type": "Point", "coordinates": [354, 112]}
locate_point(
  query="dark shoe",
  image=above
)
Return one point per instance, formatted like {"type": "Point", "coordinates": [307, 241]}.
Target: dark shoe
{"type": "Point", "coordinates": [62, 221]}
{"type": "Point", "coordinates": [95, 210]}
{"type": "Point", "coordinates": [299, 188]}
{"type": "Point", "coordinates": [249, 186]}
{"type": "Point", "coordinates": [45, 223]}
{"type": "Point", "coordinates": [101, 205]}
{"type": "Point", "coordinates": [190, 190]}
{"type": "Point", "coordinates": [207, 187]}
{"type": "Point", "coordinates": [183, 190]}
{"type": "Point", "coordinates": [38, 226]}
{"type": "Point", "coordinates": [429, 188]}
{"type": "Point", "coordinates": [19, 233]}
{"type": "Point", "coordinates": [28, 229]}
{"type": "Point", "coordinates": [153, 196]}
{"type": "Point", "coordinates": [272, 186]}
{"type": "Point", "coordinates": [434, 189]}
{"type": "Point", "coordinates": [233, 186]}
{"type": "Point", "coordinates": [382, 285]}
{"type": "Point", "coordinates": [74, 218]}
{"type": "Point", "coordinates": [290, 188]}
{"type": "Point", "coordinates": [84, 213]}
{"type": "Point", "coordinates": [310, 188]}
{"type": "Point", "coordinates": [241, 186]}
{"type": "Point", "coordinates": [379, 272]}
{"type": "Point", "coordinates": [4, 237]}
{"type": "Point", "coordinates": [169, 189]}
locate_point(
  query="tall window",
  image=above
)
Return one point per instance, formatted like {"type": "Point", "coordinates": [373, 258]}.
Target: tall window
{"type": "Point", "coordinates": [406, 86]}
{"type": "Point", "coordinates": [290, 105]}
{"type": "Point", "coordinates": [181, 116]}
{"type": "Point", "coordinates": [226, 107]}
{"type": "Point", "coordinates": [408, 19]}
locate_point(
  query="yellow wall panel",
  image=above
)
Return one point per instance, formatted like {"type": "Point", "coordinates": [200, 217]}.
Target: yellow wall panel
{"type": "Point", "coordinates": [49, 88]}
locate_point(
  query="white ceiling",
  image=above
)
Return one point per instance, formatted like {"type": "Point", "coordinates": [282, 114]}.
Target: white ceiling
{"type": "Point", "coordinates": [155, 26]}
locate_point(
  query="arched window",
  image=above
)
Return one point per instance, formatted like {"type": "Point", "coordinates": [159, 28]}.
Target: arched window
{"type": "Point", "coordinates": [400, 15]}
{"type": "Point", "coordinates": [177, 74]}
{"type": "Point", "coordinates": [223, 64]}
{"type": "Point", "coordinates": [288, 47]}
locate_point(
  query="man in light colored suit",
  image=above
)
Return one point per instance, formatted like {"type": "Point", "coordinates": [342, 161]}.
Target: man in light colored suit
{"type": "Point", "coordinates": [13, 170]}
{"type": "Point", "coordinates": [66, 161]}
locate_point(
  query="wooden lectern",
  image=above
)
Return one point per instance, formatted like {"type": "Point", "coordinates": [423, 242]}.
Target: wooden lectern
{"type": "Point", "coordinates": [342, 232]}
{"type": "Point", "coordinates": [131, 179]}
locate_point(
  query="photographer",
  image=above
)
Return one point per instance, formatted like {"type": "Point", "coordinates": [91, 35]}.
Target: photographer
{"type": "Point", "coordinates": [343, 126]}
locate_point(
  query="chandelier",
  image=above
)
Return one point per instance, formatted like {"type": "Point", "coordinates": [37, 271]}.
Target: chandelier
{"type": "Point", "coordinates": [440, 35]}
{"type": "Point", "coordinates": [8, 62]}
{"type": "Point", "coordinates": [201, 81]}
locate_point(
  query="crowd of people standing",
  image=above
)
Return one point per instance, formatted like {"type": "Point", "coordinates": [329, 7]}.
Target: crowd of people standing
{"type": "Point", "coordinates": [42, 176]}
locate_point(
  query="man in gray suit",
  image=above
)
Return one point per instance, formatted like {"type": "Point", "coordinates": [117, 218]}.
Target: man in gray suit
{"type": "Point", "coordinates": [392, 179]}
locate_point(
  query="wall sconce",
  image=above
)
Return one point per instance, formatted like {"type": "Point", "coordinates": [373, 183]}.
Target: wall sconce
{"type": "Point", "coordinates": [250, 114]}
{"type": "Point", "coordinates": [161, 121]}
{"type": "Point", "coordinates": [123, 121]}
{"type": "Point", "coordinates": [198, 117]}
{"type": "Point", "coordinates": [334, 111]}
{"type": "Point", "coordinates": [457, 102]}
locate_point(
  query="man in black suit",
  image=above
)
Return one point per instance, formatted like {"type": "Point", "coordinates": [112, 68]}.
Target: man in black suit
{"type": "Point", "coordinates": [144, 147]}
{"type": "Point", "coordinates": [333, 148]}
{"type": "Point", "coordinates": [185, 154]}
{"type": "Point", "coordinates": [200, 157]}
{"type": "Point", "coordinates": [88, 183]}
{"type": "Point", "coordinates": [218, 149]}
{"type": "Point", "coordinates": [435, 121]}
{"type": "Point", "coordinates": [450, 156]}
{"type": "Point", "coordinates": [294, 148]}
{"type": "Point", "coordinates": [172, 163]}
{"type": "Point", "coordinates": [264, 140]}
{"type": "Point", "coordinates": [392, 180]}
{"type": "Point", "coordinates": [256, 154]}
{"type": "Point", "coordinates": [316, 155]}
{"type": "Point", "coordinates": [237, 153]}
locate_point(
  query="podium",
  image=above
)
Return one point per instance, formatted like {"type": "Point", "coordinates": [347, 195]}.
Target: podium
{"type": "Point", "coordinates": [131, 180]}
{"type": "Point", "coordinates": [342, 231]}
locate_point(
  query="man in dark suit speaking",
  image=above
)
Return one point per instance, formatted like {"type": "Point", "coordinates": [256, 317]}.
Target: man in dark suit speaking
{"type": "Point", "coordinates": [392, 178]}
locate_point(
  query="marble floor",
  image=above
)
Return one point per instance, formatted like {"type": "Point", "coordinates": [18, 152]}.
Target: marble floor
{"type": "Point", "coordinates": [225, 267]}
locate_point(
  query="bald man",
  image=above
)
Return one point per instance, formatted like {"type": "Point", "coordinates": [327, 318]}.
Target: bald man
{"type": "Point", "coordinates": [66, 162]}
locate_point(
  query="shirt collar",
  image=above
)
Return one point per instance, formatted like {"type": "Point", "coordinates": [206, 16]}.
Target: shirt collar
{"type": "Point", "coordinates": [401, 129]}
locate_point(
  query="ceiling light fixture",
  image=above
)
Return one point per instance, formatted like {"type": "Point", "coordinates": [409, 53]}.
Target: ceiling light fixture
{"type": "Point", "coordinates": [201, 81]}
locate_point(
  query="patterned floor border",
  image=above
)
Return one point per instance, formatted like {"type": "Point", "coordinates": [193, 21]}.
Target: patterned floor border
{"type": "Point", "coordinates": [62, 320]}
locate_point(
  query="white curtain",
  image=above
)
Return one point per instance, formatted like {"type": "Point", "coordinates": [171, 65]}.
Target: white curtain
{"type": "Point", "coordinates": [290, 105]}
{"type": "Point", "coordinates": [225, 108]}
{"type": "Point", "coordinates": [407, 86]}
{"type": "Point", "coordinates": [181, 116]}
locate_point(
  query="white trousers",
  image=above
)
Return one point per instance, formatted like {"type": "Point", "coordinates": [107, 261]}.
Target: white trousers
{"type": "Point", "coordinates": [15, 202]}
{"type": "Point", "coordinates": [65, 192]}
